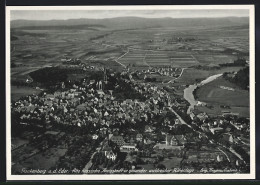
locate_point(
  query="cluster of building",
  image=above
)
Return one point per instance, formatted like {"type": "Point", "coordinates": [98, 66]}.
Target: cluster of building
{"type": "Point", "coordinates": [91, 106]}
{"type": "Point", "coordinates": [89, 103]}
{"type": "Point", "coordinates": [181, 39]}
{"type": "Point", "coordinates": [164, 71]}
{"type": "Point", "coordinates": [227, 88]}
{"type": "Point", "coordinates": [226, 128]}
{"type": "Point", "coordinates": [74, 61]}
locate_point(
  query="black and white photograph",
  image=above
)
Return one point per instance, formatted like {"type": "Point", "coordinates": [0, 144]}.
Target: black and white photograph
{"type": "Point", "coordinates": [130, 92]}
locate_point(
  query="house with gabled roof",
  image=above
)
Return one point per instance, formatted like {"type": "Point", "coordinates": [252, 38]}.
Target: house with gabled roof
{"type": "Point", "coordinates": [170, 140]}
{"type": "Point", "coordinates": [149, 128]}
{"type": "Point", "coordinates": [128, 147]}
{"type": "Point", "coordinates": [119, 140]}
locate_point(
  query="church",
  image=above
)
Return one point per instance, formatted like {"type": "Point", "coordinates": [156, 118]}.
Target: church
{"type": "Point", "coordinates": [101, 85]}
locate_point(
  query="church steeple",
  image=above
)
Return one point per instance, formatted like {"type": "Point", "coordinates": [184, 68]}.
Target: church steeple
{"type": "Point", "coordinates": [101, 84]}
{"type": "Point", "coordinates": [105, 75]}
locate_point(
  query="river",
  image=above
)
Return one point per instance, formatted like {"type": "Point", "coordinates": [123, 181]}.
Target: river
{"type": "Point", "coordinates": [188, 92]}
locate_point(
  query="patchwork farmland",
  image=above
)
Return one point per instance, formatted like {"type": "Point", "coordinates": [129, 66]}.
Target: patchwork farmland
{"type": "Point", "coordinates": [183, 60]}
{"type": "Point", "coordinates": [157, 58]}
{"type": "Point", "coordinates": [134, 58]}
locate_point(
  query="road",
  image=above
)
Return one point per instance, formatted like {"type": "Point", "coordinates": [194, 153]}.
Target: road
{"type": "Point", "coordinates": [123, 54]}
{"type": "Point", "coordinates": [224, 154]}
{"type": "Point", "coordinates": [116, 60]}
{"type": "Point", "coordinates": [181, 120]}
{"type": "Point", "coordinates": [178, 76]}
{"type": "Point", "coordinates": [89, 164]}
{"type": "Point", "coordinates": [120, 63]}
{"type": "Point", "coordinates": [109, 45]}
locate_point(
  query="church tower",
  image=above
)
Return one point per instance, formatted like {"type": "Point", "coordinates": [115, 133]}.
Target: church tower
{"type": "Point", "coordinates": [100, 85]}
{"type": "Point", "coordinates": [105, 75]}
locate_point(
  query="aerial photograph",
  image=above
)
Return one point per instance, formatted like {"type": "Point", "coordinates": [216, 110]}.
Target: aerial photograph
{"type": "Point", "coordinates": [130, 91]}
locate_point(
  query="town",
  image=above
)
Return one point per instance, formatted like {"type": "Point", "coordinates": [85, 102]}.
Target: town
{"type": "Point", "coordinates": [114, 120]}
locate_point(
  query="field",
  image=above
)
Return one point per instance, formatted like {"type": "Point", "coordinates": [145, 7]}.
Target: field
{"type": "Point", "coordinates": [217, 110]}
{"type": "Point", "coordinates": [18, 92]}
{"type": "Point", "coordinates": [213, 94]}
{"type": "Point", "coordinates": [36, 47]}
{"type": "Point", "coordinates": [134, 58]}
{"type": "Point", "coordinates": [190, 75]}
{"type": "Point", "coordinates": [175, 58]}
{"type": "Point", "coordinates": [160, 78]}
{"type": "Point", "coordinates": [158, 58]}
{"type": "Point", "coordinates": [169, 58]}
{"type": "Point", "coordinates": [215, 59]}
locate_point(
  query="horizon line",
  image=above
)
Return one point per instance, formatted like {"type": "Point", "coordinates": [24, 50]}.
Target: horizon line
{"type": "Point", "coordinates": [129, 17]}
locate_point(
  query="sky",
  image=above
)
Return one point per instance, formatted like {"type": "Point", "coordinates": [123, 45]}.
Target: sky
{"type": "Point", "coordinates": [100, 14]}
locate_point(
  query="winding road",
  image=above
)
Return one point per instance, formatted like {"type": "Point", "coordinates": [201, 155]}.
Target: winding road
{"type": "Point", "coordinates": [116, 60]}
{"type": "Point", "coordinates": [178, 76]}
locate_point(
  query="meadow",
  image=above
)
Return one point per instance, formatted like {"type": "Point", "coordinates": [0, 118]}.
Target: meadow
{"type": "Point", "coordinates": [217, 110]}
{"type": "Point", "coordinates": [193, 75]}
{"type": "Point", "coordinates": [213, 95]}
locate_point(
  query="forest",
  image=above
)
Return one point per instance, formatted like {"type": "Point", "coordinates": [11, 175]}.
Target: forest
{"type": "Point", "coordinates": [241, 78]}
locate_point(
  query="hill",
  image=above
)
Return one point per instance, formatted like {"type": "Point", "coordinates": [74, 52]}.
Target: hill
{"type": "Point", "coordinates": [132, 22]}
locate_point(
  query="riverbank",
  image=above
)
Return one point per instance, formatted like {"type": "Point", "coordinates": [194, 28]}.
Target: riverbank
{"type": "Point", "coordinates": [222, 95]}
{"type": "Point", "coordinates": [189, 91]}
